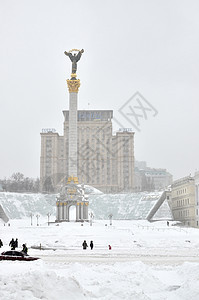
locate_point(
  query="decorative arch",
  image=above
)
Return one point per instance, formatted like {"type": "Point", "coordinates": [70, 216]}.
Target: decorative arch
{"type": "Point", "coordinates": [72, 195]}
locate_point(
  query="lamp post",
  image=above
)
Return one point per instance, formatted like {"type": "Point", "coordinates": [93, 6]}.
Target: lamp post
{"type": "Point", "coordinates": [31, 215]}
{"type": "Point", "coordinates": [48, 215]}
{"type": "Point", "coordinates": [91, 218]}
{"type": "Point", "coordinates": [110, 218]}
{"type": "Point", "coordinates": [37, 216]}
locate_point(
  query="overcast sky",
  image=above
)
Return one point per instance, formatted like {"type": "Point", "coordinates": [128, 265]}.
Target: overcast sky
{"type": "Point", "coordinates": [149, 46]}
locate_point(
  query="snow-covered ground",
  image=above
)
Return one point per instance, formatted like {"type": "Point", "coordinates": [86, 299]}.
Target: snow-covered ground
{"type": "Point", "coordinates": [147, 261]}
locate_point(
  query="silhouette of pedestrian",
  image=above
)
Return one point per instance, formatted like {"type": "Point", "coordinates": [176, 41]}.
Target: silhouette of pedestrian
{"type": "Point", "coordinates": [12, 244]}
{"type": "Point", "coordinates": [91, 245]}
{"type": "Point", "coordinates": [25, 249]}
{"type": "Point", "coordinates": [84, 245]}
{"type": "Point", "coordinates": [16, 243]}
{"type": "Point", "coordinates": [1, 243]}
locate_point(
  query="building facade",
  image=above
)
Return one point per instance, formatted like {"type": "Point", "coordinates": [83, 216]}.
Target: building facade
{"type": "Point", "coordinates": [196, 177]}
{"type": "Point", "coordinates": [183, 201]}
{"type": "Point", "coordinates": [150, 179]}
{"type": "Point", "coordinates": [104, 161]}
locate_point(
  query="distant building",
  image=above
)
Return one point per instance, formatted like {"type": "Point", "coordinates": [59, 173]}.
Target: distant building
{"type": "Point", "coordinates": [104, 161]}
{"type": "Point", "coordinates": [184, 201]}
{"type": "Point", "coordinates": [196, 177]}
{"type": "Point", "coordinates": [150, 179]}
{"type": "Point", "coordinates": [140, 165]}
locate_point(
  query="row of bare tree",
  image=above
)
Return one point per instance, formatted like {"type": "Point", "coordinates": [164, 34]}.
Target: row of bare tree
{"type": "Point", "coordinates": [20, 184]}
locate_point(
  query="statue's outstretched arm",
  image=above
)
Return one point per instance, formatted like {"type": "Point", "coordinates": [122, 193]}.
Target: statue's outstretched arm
{"type": "Point", "coordinates": [69, 54]}
{"type": "Point", "coordinates": [79, 55]}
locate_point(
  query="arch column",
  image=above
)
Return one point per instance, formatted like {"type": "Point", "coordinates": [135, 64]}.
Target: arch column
{"type": "Point", "coordinates": [67, 212]}
{"type": "Point", "coordinates": [62, 211]}
{"type": "Point", "coordinates": [82, 211]}
{"type": "Point", "coordinates": [77, 212]}
{"type": "Point", "coordinates": [58, 211]}
{"type": "Point", "coordinates": [85, 211]}
{"type": "Point", "coordinates": [64, 207]}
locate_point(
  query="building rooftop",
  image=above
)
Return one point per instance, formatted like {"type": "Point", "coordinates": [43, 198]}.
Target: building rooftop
{"type": "Point", "coordinates": [91, 115]}
{"type": "Point", "coordinates": [183, 180]}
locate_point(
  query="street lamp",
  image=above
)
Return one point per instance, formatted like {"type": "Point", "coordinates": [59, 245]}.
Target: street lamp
{"type": "Point", "coordinates": [37, 216]}
{"type": "Point", "coordinates": [91, 218]}
{"type": "Point", "coordinates": [48, 215]}
{"type": "Point", "coordinates": [110, 218]}
{"type": "Point", "coordinates": [31, 215]}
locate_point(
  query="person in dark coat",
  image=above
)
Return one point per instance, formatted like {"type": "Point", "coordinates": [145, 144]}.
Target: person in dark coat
{"type": "Point", "coordinates": [84, 245]}
{"type": "Point", "coordinates": [91, 245]}
{"type": "Point", "coordinates": [25, 249]}
{"type": "Point", "coordinates": [12, 244]}
{"type": "Point", "coordinates": [16, 243]}
{"type": "Point", "coordinates": [1, 243]}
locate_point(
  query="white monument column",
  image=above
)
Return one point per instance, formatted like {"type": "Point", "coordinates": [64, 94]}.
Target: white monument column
{"type": "Point", "coordinates": [73, 86]}
{"type": "Point", "coordinates": [70, 195]}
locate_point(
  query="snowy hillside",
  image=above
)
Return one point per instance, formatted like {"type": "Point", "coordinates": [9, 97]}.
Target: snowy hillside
{"type": "Point", "coordinates": [122, 206]}
{"type": "Point", "coordinates": [134, 206]}
{"type": "Point", "coordinates": [18, 205]}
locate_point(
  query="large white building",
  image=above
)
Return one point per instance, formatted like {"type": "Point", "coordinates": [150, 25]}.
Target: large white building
{"type": "Point", "coordinates": [183, 201]}
{"type": "Point", "coordinates": [104, 160]}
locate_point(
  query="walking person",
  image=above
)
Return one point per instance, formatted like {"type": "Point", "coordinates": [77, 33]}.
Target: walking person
{"type": "Point", "coordinates": [84, 245]}
{"type": "Point", "coordinates": [12, 244]}
{"type": "Point", "coordinates": [91, 245]}
{"type": "Point", "coordinates": [1, 243]}
{"type": "Point", "coordinates": [16, 243]}
{"type": "Point", "coordinates": [25, 249]}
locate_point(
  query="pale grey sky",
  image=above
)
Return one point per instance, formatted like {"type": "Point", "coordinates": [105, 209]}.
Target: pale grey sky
{"type": "Point", "coordinates": [150, 46]}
